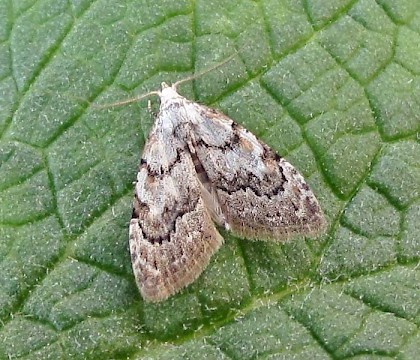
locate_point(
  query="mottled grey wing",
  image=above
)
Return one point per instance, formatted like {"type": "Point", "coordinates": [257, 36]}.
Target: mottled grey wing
{"type": "Point", "coordinates": [172, 236]}
{"type": "Point", "coordinates": [260, 195]}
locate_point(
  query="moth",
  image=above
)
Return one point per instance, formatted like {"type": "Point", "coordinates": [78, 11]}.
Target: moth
{"type": "Point", "coordinates": [200, 170]}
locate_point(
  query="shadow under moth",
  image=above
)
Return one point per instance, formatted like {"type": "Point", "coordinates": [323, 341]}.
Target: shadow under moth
{"type": "Point", "coordinates": [199, 169]}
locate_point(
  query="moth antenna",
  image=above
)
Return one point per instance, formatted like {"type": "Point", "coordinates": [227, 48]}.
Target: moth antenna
{"type": "Point", "coordinates": [197, 75]}
{"type": "Point", "coordinates": [124, 102]}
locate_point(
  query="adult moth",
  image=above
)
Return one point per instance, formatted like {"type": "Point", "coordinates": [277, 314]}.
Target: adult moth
{"type": "Point", "coordinates": [200, 169]}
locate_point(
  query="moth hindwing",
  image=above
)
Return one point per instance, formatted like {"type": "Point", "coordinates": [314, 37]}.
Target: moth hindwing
{"type": "Point", "coordinates": [200, 169]}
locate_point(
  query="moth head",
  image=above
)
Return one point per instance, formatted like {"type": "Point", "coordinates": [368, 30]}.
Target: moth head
{"type": "Point", "coordinates": [168, 93]}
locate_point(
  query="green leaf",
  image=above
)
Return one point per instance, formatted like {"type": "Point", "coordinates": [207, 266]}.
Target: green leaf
{"type": "Point", "coordinates": [331, 85]}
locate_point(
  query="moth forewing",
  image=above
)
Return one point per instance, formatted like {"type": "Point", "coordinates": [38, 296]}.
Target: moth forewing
{"type": "Point", "coordinates": [172, 236]}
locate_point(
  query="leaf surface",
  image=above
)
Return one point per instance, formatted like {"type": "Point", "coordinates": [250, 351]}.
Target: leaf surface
{"type": "Point", "coordinates": [332, 86]}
